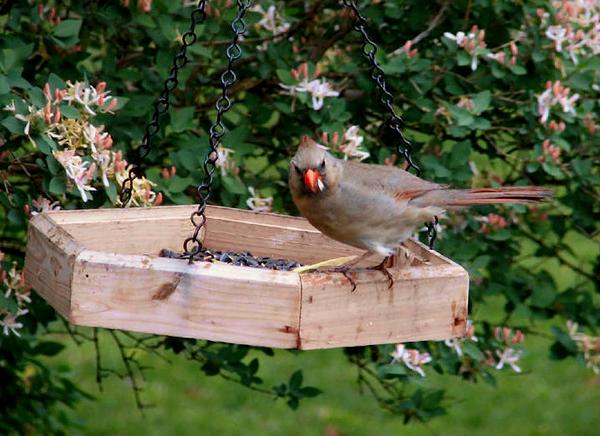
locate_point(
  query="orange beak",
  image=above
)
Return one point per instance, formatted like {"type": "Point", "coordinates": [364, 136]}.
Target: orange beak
{"type": "Point", "coordinates": [311, 180]}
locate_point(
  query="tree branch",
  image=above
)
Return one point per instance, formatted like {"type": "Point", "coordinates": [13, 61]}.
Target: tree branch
{"type": "Point", "coordinates": [435, 22]}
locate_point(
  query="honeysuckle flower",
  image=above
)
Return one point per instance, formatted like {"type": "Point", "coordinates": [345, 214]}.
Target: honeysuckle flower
{"type": "Point", "coordinates": [509, 356]}
{"type": "Point", "coordinates": [558, 34]}
{"type": "Point", "coordinates": [77, 170]}
{"type": "Point", "coordinates": [258, 203]}
{"type": "Point", "coordinates": [351, 144]}
{"type": "Point", "coordinates": [90, 98]}
{"type": "Point", "coordinates": [318, 89]}
{"type": "Point", "coordinates": [34, 113]}
{"type": "Point", "coordinates": [42, 204]}
{"type": "Point", "coordinates": [575, 30]}
{"type": "Point", "coordinates": [10, 324]}
{"type": "Point", "coordinates": [470, 42]}
{"type": "Point", "coordinates": [224, 163]}
{"type": "Point", "coordinates": [271, 20]}
{"type": "Point", "coordinates": [14, 282]}
{"type": "Point", "coordinates": [456, 343]}
{"type": "Point", "coordinates": [589, 346]}
{"type": "Point", "coordinates": [411, 358]}
{"type": "Point", "coordinates": [555, 94]}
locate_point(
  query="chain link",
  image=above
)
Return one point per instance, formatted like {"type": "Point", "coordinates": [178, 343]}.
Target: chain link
{"type": "Point", "coordinates": [161, 105]}
{"type": "Point", "coordinates": [396, 123]}
{"type": "Point", "coordinates": [192, 246]}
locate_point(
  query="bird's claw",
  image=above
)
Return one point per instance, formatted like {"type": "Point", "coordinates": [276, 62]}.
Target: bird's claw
{"type": "Point", "coordinates": [345, 270]}
{"type": "Point", "coordinates": [383, 267]}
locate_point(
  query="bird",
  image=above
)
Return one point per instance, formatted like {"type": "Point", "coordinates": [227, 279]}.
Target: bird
{"type": "Point", "coordinates": [377, 207]}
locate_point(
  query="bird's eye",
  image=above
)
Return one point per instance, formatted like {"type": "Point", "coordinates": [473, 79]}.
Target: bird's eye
{"type": "Point", "coordinates": [322, 165]}
{"type": "Point", "coordinates": [298, 170]}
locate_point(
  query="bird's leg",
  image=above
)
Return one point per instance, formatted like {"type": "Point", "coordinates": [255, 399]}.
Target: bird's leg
{"type": "Point", "coordinates": [386, 263]}
{"type": "Point", "coordinates": [345, 269]}
{"type": "Point", "coordinates": [340, 265]}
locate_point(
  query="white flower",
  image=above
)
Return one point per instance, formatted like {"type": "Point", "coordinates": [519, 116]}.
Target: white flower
{"type": "Point", "coordinates": [258, 203]}
{"type": "Point", "coordinates": [77, 170]}
{"type": "Point", "coordinates": [32, 115]}
{"type": "Point", "coordinates": [10, 324]}
{"type": "Point", "coordinates": [545, 102]}
{"type": "Point", "coordinates": [412, 359]}
{"type": "Point", "coordinates": [271, 20]}
{"type": "Point", "coordinates": [469, 42]}
{"type": "Point", "coordinates": [558, 34]}
{"type": "Point", "coordinates": [42, 204]}
{"type": "Point", "coordinates": [316, 88]}
{"type": "Point", "coordinates": [454, 343]}
{"type": "Point", "coordinates": [510, 357]}
{"type": "Point", "coordinates": [223, 162]}
{"type": "Point", "coordinates": [555, 94]}
{"type": "Point", "coordinates": [576, 31]}
{"type": "Point", "coordinates": [459, 37]}
{"type": "Point", "coordinates": [89, 97]}
{"type": "Point", "coordinates": [352, 142]}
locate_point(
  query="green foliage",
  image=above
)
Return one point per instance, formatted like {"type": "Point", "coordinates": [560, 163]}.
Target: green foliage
{"type": "Point", "coordinates": [475, 117]}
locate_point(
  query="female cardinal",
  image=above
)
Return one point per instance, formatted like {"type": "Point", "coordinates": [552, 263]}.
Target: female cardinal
{"type": "Point", "coordinates": [377, 207]}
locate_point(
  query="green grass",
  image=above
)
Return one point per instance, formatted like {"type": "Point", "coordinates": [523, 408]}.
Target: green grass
{"type": "Point", "coordinates": [553, 398]}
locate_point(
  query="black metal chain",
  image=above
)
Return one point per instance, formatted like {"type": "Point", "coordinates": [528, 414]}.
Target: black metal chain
{"type": "Point", "coordinates": [161, 105]}
{"type": "Point", "coordinates": [396, 123]}
{"type": "Point", "coordinates": [192, 246]}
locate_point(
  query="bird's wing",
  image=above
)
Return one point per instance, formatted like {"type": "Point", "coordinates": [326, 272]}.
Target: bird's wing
{"type": "Point", "coordinates": [396, 182]}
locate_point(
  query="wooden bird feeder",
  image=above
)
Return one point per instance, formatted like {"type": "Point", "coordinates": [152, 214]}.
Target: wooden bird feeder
{"type": "Point", "coordinates": [101, 268]}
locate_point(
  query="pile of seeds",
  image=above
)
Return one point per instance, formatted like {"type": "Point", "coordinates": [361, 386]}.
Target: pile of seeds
{"type": "Point", "coordinates": [239, 258]}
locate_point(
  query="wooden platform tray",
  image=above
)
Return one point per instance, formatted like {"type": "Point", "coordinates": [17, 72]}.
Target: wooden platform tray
{"type": "Point", "coordinates": [101, 268]}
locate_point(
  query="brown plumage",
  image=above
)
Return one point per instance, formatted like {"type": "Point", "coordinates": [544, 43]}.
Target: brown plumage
{"type": "Point", "coordinates": [377, 207]}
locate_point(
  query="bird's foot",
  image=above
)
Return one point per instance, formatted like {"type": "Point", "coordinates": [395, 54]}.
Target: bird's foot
{"type": "Point", "coordinates": [338, 265]}
{"type": "Point", "coordinates": [345, 270]}
{"type": "Point", "coordinates": [386, 263]}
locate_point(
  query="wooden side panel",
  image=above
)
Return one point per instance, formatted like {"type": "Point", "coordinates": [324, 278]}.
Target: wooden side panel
{"type": "Point", "coordinates": [425, 303]}
{"type": "Point", "coordinates": [149, 230]}
{"type": "Point", "coordinates": [49, 262]}
{"type": "Point", "coordinates": [169, 297]}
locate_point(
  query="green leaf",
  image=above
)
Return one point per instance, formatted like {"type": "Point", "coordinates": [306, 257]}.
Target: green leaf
{"type": "Point", "coordinates": [57, 185]}
{"type": "Point", "coordinates": [14, 125]}
{"type": "Point", "coordinates": [67, 28]}
{"type": "Point", "coordinates": [8, 303]}
{"type": "Point", "coordinates": [111, 192]}
{"type": "Point", "coordinates": [56, 82]}
{"type": "Point", "coordinates": [234, 185]}
{"type": "Point", "coordinates": [543, 295]}
{"type": "Point", "coordinates": [310, 392]}
{"type": "Point", "coordinates": [69, 111]}
{"type": "Point", "coordinates": [178, 184]}
{"type": "Point", "coordinates": [471, 350]}
{"type": "Point", "coordinates": [182, 119]}
{"type": "Point", "coordinates": [45, 144]}
{"type": "Point", "coordinates": [519, 70]}
{"type": "Point", "coordinates": [551, 169]}
{"type": "Point", "coordinates": [48, 348]}
{"type": "Point", "coordinates": [284, 76]}
{"type": "Point", "coordinates": [53, 166]}
{"type": "Point", "coordinates": [4, 84]}
{"type": "Point", "coordinates": [481, 101]}
{"type": "Point", "coordinates": [500, 235]}
{"type": "Point", "coordinates": [460, 153]}
{"type": "Point", "coordinates": [15, 217]}
{"type": "Point", "coordinates": [462, 116]}
{"type": "Point", "coordinates": [296, 380]}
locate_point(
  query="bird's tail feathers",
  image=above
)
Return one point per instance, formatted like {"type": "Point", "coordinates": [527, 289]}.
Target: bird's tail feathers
{"type": "Point", "coordinates": [481, 196]}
